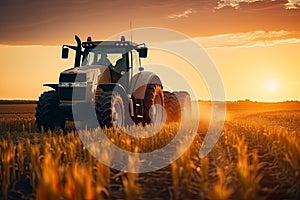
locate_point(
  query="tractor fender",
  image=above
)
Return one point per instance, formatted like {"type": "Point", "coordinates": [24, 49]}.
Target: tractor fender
{"type": "Point", "coordinates": [140, 81]}
{"type": "Point", "coordinates": [51, 85]}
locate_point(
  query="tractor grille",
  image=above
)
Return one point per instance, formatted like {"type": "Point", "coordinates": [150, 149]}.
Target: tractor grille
{"type": "Point", "coordinates": [67, 93]}
{"type": "Point", "coordinates": [72, 78]}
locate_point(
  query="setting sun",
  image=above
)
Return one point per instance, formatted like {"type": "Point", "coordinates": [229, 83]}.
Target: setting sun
{"type": "Point", "coordinates": [271, 85]}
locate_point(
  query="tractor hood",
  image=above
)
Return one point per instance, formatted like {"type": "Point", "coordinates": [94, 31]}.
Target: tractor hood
{"type": "Point", "coordinates": [88, 73]}
{"type": "Point", "coordinates": [84, 76]}
{"type": "Point", "coordinates": [83, 81]}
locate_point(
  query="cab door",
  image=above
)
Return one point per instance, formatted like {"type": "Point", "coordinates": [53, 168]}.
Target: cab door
{"type": "Point", "coordinates": [134, 64]}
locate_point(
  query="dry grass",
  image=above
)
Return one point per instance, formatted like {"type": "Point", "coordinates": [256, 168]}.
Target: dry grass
{"type": "Point", "coordinates": [256, 157]}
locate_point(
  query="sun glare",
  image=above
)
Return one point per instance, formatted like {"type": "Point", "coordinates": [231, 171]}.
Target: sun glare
{"type": "Point", "coordinates": [271, 85]}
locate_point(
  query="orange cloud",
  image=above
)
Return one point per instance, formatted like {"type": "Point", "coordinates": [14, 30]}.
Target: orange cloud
{"type": "Point", "coordinates": [249, 39]}
{"type": "Point", "coordinates": [292, 4]}
{"type": "Point", "coordinates": [233, 3]}
{"type": "Point", "coordinates": [182, 14]}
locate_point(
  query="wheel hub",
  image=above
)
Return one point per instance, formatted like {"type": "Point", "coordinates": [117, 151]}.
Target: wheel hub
{"type": "Point", "coordinates": [117, 114]}
{"type": "Point", "coordinates": [156, 111]}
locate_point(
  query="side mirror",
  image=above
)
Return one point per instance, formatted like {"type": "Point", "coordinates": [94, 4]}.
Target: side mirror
{"type": "Point", "coordinates": [65, 53]}
{"type": "Point", "coordinates": [143, 52]}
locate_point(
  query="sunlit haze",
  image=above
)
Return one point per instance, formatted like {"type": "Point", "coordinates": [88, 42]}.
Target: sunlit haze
{"type": "Point", "coordinates": [271, 86]}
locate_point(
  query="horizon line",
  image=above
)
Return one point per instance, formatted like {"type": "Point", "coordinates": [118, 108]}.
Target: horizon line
{"type": "Point", "coordinates": [201, 100]}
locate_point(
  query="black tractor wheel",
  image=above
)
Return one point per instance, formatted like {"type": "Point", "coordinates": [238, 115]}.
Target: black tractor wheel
{"type": "Point", "coordinates": [153, 105]}
{"type": "Point", "coordinates": [184, 107]}
{"type": "Point", "coordinates": [48, 116]}
{"type": "Point", "coordinates": [110, 110]}
{"type": "Point", "coordinates": [172, 107]}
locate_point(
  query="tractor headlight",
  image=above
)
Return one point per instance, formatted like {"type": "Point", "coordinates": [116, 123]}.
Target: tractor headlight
{"type": "Point", "coordinates": [79, 84]}
{"type": "Point", "coordinates": [74, 84]}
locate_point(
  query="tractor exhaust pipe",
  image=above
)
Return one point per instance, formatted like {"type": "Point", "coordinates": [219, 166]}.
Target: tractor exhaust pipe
{"type": "Point", "coordinates": [78, 52]}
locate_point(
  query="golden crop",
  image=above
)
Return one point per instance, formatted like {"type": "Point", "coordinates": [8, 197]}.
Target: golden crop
{"type": "Point", "coordinates": [256, 157]}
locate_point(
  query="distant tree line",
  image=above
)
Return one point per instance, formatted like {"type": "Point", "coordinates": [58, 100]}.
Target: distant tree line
{"type": "Point", "coordinates": [17, 101]}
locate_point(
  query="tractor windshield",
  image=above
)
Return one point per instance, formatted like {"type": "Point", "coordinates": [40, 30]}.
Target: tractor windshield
{"type": "Point", "coordinates": [103, 55]}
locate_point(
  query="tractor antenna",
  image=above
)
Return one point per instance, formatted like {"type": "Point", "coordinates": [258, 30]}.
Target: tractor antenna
{"type": "Point", "coordinates": [130, 31]}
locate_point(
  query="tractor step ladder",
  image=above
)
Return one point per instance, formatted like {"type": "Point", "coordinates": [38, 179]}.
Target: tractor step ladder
{"type": "Point", "coordinates": [139, 110]}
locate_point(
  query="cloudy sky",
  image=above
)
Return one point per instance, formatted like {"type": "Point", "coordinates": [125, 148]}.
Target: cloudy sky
{"type": "Point", "coordinates": [55, 21]}
{"type": "Point", "coordinates": [235, 33]}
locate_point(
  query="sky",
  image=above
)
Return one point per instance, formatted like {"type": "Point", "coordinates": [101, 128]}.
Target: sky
{"type": "Point", "coordinates": [255, 44]}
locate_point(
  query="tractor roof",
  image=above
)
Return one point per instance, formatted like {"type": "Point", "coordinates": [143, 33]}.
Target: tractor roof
{"type": "Point", "coordinates": [121, 43]}
{"type": "Point", "coordinates": [109, 43]}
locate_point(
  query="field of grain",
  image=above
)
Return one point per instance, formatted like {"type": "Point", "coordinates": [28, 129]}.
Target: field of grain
{"type": "Point", "coordinates": [256, 157]}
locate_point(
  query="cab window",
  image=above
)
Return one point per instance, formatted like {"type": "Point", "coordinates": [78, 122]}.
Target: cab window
{"type": "Point", "coordinates": [134, 59]}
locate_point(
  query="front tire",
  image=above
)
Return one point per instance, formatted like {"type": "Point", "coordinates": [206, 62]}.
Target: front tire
{"type": "Point", "coordinates": [110, 110]}
{"type": "Point", "coordinates": [47, 114]}
{"type": "Point", "coordinates": [153, 105]}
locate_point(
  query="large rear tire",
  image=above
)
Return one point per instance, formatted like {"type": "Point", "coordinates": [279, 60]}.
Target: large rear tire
{"type": "Point", "coordinates": [153, 105]}
{"type": "Point", "coordinates": [185, 108]}
{"type": "Point", "coordinates": [172, 107]}
{"type": "Point", "coordinates": [48, 116]}
{"type": "Point", "coordinates": [110, 110]}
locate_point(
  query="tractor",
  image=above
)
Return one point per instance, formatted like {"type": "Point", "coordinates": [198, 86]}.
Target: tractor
{"type": "Point", "coordinates": [108, 80]}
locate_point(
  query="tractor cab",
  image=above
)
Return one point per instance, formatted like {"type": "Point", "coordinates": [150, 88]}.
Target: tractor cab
{"type": "Point", "coordinates": [120, 55]}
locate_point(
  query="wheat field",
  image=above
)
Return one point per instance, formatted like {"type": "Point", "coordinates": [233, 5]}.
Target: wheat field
{"type": "Point", "coordinates": [256, 157]}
